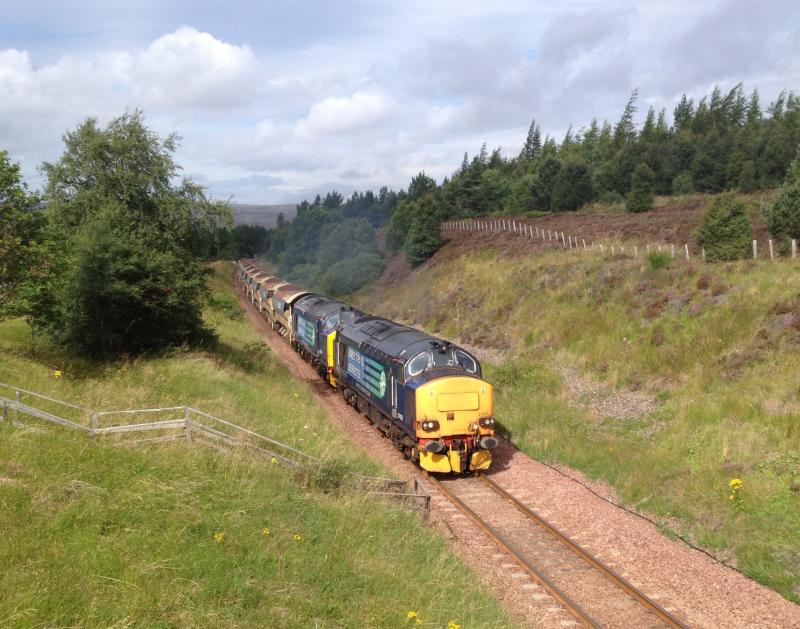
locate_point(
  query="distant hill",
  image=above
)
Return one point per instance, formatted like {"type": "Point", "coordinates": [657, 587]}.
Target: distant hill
{"type": "Point", "coordinates": [264, 215]}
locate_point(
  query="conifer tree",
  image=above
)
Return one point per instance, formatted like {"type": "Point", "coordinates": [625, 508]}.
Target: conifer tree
{"type": "Point", "coordinates": [783, 217]}
{"type": "Point", "coordinates": [640, 198]}
{"type": "Point", "coordinates": [625, 129]}
{"type": "Point", "coordinates": [725, 232]}
{"type": "Point", "coordinates": [533, 143]}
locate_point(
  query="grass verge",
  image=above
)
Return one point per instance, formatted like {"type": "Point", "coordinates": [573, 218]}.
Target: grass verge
{"type": "Point", "coordinates": [667, 380]}
{"type": "Point", "coordinates": [96, 535]}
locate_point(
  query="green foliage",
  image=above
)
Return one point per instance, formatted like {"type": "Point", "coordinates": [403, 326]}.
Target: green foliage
{"type": "Point", "coordinates": [640, 198]}
{"type": "Point", "coordinates": [23, 266]}
{"type": "Point", "coordinates": [783, 217]}
{"type": "Point", "coordinates": [542, 190]}
{"type": "Point", "coordinates": [725, 231]}
{"type": "Point", "coordinates": [243, 241]}
{"type": "Point", "coordinates": [682, 183]}
{"type": "Point", "coordinates": [572, 187]}
{"type": "Point", "coordinates": [657, 260]}
{"type": "Point", "coordinates": [129, 273]}
{"type": "Point", "coordinates": [351, 273]}
{"type": "Point", "coordinates": [330, 233]}
{"type": "Point", "coordinates": [424, 236]}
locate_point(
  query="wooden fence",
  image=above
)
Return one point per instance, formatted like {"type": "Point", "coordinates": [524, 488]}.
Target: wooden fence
{"type": "Point", "coordinates": [566, 241]}
{"type": "Point", "coordinates": [192, 426]}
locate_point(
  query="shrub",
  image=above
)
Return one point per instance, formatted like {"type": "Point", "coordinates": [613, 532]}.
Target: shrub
{"type": "Point", "coordinates": [350, 274]}
{"type": "Point", "coordinates": [725, 231]}
{"type": "Point", "coordinates": [783, 217]}
{"type": "Point", "coordinates": [683, 183]}
{"type": "Point", "coordinates": [572, 187]}
{"type": "Point", "coordinates": [640, 198]}
{"type": "Point", "coordinates": [611, 197]}
{"type": "Point", "coordinates": [658, 260]}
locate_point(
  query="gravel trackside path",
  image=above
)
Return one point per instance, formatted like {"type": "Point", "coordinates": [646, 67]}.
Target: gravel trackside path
{"type": "Point", "coordinates": [686, 582]}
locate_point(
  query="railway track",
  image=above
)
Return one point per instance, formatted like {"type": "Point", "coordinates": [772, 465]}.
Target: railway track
{"type": "Point", "coordinates": [589, 590]}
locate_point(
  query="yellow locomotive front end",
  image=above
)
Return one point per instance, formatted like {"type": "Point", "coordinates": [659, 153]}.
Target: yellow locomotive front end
{"type": "Point", "coordinates": [455, 424]}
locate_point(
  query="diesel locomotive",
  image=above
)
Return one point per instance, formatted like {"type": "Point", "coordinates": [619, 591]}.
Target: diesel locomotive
{"type": "Point", "coordinates": [424, 393]}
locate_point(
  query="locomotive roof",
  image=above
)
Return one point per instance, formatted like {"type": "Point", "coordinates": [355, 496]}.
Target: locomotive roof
{"type": "Point", "coordinates": [394, 339]}
{"type": "Point", "coordinates": [318, 306]}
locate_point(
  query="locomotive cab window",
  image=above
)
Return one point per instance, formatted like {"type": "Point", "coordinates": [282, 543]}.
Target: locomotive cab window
{"type": "Point", "coordinates": [331, 323]}
{"type": "Point", "coordinates": [467, 362]}
{"type": "Point", "coordinates": [418, 364]}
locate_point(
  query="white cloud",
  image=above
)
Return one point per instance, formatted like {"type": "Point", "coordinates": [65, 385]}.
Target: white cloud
{"type": "Point", "coordinates": [285, 103]}
{"type": "Point", "coordinates": [348, 114]}
{"type": "Point", "coordinates": [190, 69]}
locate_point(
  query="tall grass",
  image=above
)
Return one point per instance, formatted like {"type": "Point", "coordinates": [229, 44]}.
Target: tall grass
{"type": "Point", "coordinates": [95, 535]}
{"type": "Point", "coordinates": [715, 346]}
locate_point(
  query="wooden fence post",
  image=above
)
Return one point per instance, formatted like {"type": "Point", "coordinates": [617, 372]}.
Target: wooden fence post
{"type": "Point", "coordinates": [686, 249]}
{"type": "Point", "coordinates": [794, 248]}
{"type": "Point", "coordinates": [584, 243]}
{"type": "Point", "coordinates": [635, 251]}
{"type": "Point", "coordinates": [771, 252]}
{"type": "Point", "coordinates": [703, 253]}
{"type": "Point", "coordinates": [755, 249]}
{"type": "Point", "coordinates": [187, 424]}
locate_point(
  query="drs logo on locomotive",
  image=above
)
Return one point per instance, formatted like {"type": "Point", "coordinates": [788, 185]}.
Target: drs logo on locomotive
{"type": "Point", "coordinates": [367, 372]}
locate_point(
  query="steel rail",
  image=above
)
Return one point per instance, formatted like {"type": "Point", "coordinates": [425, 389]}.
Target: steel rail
{"type": "Point", "coordinates": [571, 606]}
{"type": "Point", "coordinates": [618, 579]}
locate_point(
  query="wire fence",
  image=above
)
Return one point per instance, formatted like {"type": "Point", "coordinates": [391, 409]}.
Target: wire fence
{"type": "Point", "coordinates": [559, 240]}
{"type": "Point", "coordinates": [185, 423]}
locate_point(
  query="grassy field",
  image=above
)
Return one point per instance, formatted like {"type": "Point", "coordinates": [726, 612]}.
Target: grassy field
{"type": "Point", "coordinates": [95, 535]}
{"type": "Point", "coordinates": [668, 382]}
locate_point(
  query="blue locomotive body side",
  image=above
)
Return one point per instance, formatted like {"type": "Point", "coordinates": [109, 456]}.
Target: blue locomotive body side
{"type": "Point", "coordinates": [306, 332]}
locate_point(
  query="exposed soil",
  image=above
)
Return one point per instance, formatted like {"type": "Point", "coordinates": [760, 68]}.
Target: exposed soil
{"type": "Point", "coordinates": [688, 583]}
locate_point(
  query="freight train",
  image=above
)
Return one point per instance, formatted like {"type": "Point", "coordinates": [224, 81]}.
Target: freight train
{"type": "Point", "coordinates": [425, 394]}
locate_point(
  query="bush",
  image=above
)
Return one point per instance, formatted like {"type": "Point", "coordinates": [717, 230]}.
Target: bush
{"type": "Point", "coordinates": [725, 231]}
{"type": "Point", "coordinates": [783, 217]}
{"type": "Point", "coordinates": [572, 187]}
{"type": "Point", "coordinates": [658, 260]}
{"type": "Point", "coordinates": [350, 274]}
{"type": "Point", "coordinates": [683, 183]}
{"type": "Point", "coordinates": [640, 198]}
{"type": "Point", "coordinates": [611, 197]}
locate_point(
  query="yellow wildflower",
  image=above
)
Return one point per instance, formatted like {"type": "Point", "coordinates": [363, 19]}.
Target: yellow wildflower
{"type": "Point", "coordinates": [735, 483]}
{"type": "Point", "coordinates": [411, 614]}
{"type": "Point", "coordinates": [57, 373]}
{"type": "Point", "coordinates": [418, 621]}
{"type": "Point", "coordinates": [452, 624]}
{"type": "Point", "coordinates": [297, 537]}
{"type": "Point", "coordinates": [219, 536]}
{"type": "Point", "coordinates": [274, 461]}
{"type": "Point", "coordinates": [265, 532]}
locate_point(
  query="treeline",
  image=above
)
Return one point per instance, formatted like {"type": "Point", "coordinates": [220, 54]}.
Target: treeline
{"type": "Point", "coordinates": [330, 245]}
{"type": "Point", "coordinates": [725, 141]}
{"type": "Point", "coordinates": [111, 260]}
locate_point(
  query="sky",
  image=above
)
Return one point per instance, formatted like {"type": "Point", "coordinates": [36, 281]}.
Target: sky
{"type": "Point", "coordinates": [276, 101]}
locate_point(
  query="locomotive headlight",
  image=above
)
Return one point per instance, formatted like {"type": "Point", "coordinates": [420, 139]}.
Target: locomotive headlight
{"type": "Point", "coordinates": [430, 424]}
{"type": "Point", "coordinates": [487, 422]}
